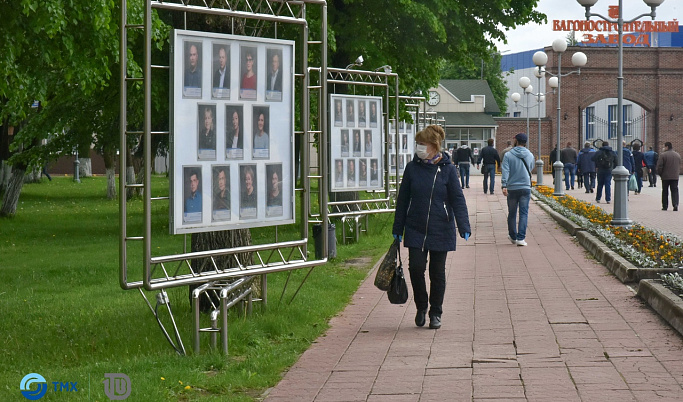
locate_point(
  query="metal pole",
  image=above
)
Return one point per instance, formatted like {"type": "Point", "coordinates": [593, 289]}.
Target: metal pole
{"type": "Point", "coordinates": [558, 166]}
{"type": "Point", "coordinates": [539, 161]}
{"type": "Point", "coordinates": [620, 214]}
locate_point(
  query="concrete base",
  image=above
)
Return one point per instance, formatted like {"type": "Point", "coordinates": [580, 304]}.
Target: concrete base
{"type": "Point", "coordinates": [665, 302]}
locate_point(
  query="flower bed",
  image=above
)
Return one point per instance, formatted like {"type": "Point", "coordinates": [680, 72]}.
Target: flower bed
{"type": "Point", "coordinates": [641, 246]}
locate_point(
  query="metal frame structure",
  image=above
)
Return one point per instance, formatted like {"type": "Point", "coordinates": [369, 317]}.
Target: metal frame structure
{"type": "Point", "coordinates": [162, 272]}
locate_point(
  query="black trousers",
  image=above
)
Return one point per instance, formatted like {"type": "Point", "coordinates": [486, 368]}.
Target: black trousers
{"type": "Point", "coordinates": [417, 265]}
{"type": "Point", "coordinates": [666, 184]}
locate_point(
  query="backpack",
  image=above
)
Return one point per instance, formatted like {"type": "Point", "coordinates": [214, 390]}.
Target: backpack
{"type": "Point", "coordinates": [605, 160]}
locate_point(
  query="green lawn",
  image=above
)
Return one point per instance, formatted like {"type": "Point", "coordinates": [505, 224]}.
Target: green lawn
{"type": "Point", "coordinates": [64, 316]}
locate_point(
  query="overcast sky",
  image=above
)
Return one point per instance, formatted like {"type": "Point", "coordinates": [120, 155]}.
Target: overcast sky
{"type": "Point", "coordinates": [534, 36]}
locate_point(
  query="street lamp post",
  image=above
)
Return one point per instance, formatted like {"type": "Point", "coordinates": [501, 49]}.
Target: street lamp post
{"type": "Point", "coordinates": [540, 59]}
{"type": "Point", "coordinates": [525, 83]}
{"type": "Point", "coordinates": [620, 213]}
{"type": "Point", "coordinates": [579, 60]}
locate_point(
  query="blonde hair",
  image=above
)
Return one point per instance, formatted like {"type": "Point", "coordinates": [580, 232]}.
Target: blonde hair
{"type": "Point", "coordinates": [433, 134]}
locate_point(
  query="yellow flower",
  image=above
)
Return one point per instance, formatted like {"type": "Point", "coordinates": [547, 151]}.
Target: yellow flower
{"type": "Point", "coordinates": [187, 387]}
{"type": "Point", "coordinates": [163, 379]}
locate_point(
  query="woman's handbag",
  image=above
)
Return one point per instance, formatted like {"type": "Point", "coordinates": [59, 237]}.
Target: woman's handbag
{"type": "Point", "coordinates": [632, 183]}
{"type": "Point", "coordinates": [398, 292]}
{"type": "Point", "coordinates": [387, 269]}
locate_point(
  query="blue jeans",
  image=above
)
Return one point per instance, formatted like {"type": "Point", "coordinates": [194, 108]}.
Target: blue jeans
{"type": "Point", "coordinates": [489, 170]}
{"type": "Point", "coordinates": [569, 170]}
{"type": "Point", "coordinates": [518, 199]}
{"type": "Point", "coordinates": [464, 174]}
{"type": "Point", "coordinates": [604, 179]}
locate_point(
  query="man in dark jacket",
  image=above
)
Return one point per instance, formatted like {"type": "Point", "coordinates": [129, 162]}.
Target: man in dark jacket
{"type": "Point", "coordinates": [489, 158]}
{"type": "Point", "coordinates": [669, 168]}
{"type": "Point", "coordinates": [605, 160]}
{"type": "Point", "coordinates": [463, 158]}
{"type": "Point", "coordinates": [638, 160]}
{"type": "Point", "coordinates": [568, 157]}
{"type": "Point", "coordinates": [651, 162]}
{"type": "Point", "coordinates": [586, 166]}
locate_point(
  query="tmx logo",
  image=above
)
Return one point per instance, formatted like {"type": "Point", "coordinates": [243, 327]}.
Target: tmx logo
{"type": "Point", "coordinates": [39, 392]}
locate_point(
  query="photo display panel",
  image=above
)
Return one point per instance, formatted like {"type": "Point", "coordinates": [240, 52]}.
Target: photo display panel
{"type": "Point", "coordinates": [232, 132]}
{"type": "Point", "coordinates": [356, 143]}
{"type": "Point", "coordinates": [405, 143]}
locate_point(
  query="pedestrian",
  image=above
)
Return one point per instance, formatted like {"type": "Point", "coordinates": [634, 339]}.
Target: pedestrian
{"type": "Point", "coordinates": [628, 162]}
{"type": "Point", "coordinates": [488, 157]}
{"type": "Point", "coordinates": [638, 166]}
{"type": "Point", "coordinates": [429, 205]}
{"type": "Point", "coordinates": [605, 160]}
{"type": "Point", "coordinates": [669, 168]}
{"type": "Point", "coordinates": [44, 172]}
{"type": "Point", "coordinates": [587, 167]}
{"type": "Point", "coordinates": [568, 158]}
{"type": "Point", "coordinates": [552, 158]}
{"type": "Point", "coordinates": [516, 184]}
{"type": "Point", "coordinates": [651, 158]}
{"type": "Point", "coordinates": [463, 157]}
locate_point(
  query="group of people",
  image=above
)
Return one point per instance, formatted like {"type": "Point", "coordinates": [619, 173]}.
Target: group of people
{"type": "Point", "coordinates": [431, 208]}
{"type": "Point", "coordinates": [591, 164]}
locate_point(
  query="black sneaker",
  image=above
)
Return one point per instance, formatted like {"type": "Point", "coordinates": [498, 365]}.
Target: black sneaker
{"type": "Point", "coordinates": [434, 321]}
{"type": "Point", "coordinates": [420, 318]}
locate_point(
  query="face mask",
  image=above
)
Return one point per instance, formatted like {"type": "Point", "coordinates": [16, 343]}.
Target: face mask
{"type": "Point", "coordinates": [421, 151]}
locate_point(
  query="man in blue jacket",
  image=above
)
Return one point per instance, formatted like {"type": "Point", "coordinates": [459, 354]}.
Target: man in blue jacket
{"type": "Point", "coordinates": [605, 160]}
{"type": "Point", "coordinates": [516, 184]}
{"type": "Point", "coordinates": [586, 166]}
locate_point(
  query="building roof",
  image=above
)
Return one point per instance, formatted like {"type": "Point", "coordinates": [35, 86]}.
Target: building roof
{"type": "Point", "coordinates": [457, 119]}
{"type": "Point", "coordinates": [464, 89]}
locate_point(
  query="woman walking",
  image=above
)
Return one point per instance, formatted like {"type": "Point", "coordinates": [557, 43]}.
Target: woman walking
{"type": "Point", "coordinates": [430, 203]}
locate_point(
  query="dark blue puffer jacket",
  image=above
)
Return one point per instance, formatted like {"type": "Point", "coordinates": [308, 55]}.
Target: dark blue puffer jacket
{"type": "Point", "coordinates": [430, 202]}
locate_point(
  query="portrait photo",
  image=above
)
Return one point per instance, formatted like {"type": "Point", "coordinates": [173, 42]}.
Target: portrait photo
{"type": "Point", "coordinates": [351, 173]}
{"type": "Point", "coordinates": [344, 142]}
{"type": "Point", "coordinates": [401, 163]}
{"type": "Point", "coordinates": [404, 142]}
{"type": "Point", "coordinates": [248, 69]}
{"type": "Point", "coordinates": [206, 132]}
{"type": "Point", "coordinates": [402, 126]}
{"type": "Point", "coordinates": [192, 194]}
{"type": "Point", "coordinates": [221, 71]}
{"type": "Point", "coordinates": [220, 184]}
{"type": "Point", "coordinates": [274, 75]}
{"type": "Point", "coordinates": [338, 113]}
{"type": "Point", "coordinates": [356, 143]}
{"type": "Point", "coordinates": [248, 192]}
{"type": "Point", "coordinates": [361, 113]}
{"type": "Point", "coordinates": [350, 114]}
{"type": "Point", "coordinates": [339, 172]}
{"type": "Point", "coordinates": [261, 125]}
{"type": "Point", "coordinates": [374, 172]}
{"type": "Point", "coordinates": [368, 143]}
{"type": "Point", "coordinates": [274, 190]}
{"type": "Point", "coordinates": [362, 172]}
{"type": "Point", "coordinates": [373, 113]}
{"type": "Point", "coordinates": [192, 69]}
{"type": "Point", "coordinates": [234, 132]}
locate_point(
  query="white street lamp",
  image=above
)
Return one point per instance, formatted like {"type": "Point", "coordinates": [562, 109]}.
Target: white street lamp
{"type": "Point", "coordinates": [579, 60]}
{"type": "Point", "coordinates": [540, 59]}
{"type": "Point", "coordinates": [620, 214]}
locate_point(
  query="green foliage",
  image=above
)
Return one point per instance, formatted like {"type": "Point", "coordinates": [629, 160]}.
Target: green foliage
{"type": "Point", "coordinates": [418, 38]}
{"type": "Point", "coordinates": [65, 316]}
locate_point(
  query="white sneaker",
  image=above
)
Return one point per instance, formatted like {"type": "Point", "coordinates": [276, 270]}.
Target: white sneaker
{"type": "Point", "coordinates": [521, 243]}
{"type": "Point", "coordinates": [513, 241]}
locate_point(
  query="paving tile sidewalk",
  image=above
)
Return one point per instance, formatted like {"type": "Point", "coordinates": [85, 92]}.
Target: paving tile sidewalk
{"type": "Point", "coordinates": [541, 323]}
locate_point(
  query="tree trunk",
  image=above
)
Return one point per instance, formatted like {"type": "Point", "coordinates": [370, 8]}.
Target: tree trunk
{"type": "Point", "coordinates": [130, 179]}
{"type": "Point", "coordinates": [217, 240]}
{"type": "Point", "coordinates": [110, 167]}
{"type": "Point", "coordinates": [5, 174]}
{"type": "Point", "coordinates": [85, 167]}
{"type": "Point", "coordinates": [32, 176]}
{"type": "Point", "coordinates": [11, 197]}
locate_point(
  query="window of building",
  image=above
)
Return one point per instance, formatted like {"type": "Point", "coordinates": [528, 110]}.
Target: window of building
{"type": "Point", "coordinates": [518, 114]}
{"type": "Point", "coordinates": [612, 119]}
{"type": "Point", "coordinates": [628, 120]}
{"type": "Point", "coordinates": [590, 123]}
